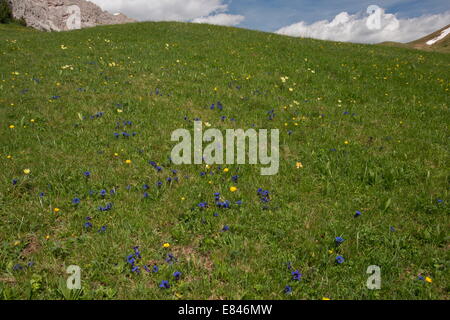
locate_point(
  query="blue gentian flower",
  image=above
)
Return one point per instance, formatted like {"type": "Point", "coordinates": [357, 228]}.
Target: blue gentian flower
{"type": "Point", "coordinates": [164, 284]}
{"type": "Point", "coordinates": [357, 213]}
{"type": "Point", "coordinates": [339, 240]}
{"type": "Point", "coordinates": [340, 259]}
{"type": "Point", "coordinates": [136, 269]}
{"type": "Point", "coordinates": [287, 289]}
{"type": "Point", "coordinates": [17, 267]}
{"type": "Point", "coordinates": [88, 225]}
{"type": "Point", "coordinates": [296, 275]}
{"type": "Point", "coordinates": [203, 205]}
{"type": "Point", "coordinates": [177, 275]}
{"type": "Point", "coordinates": [265, 199]}
{"type": "Point", "coordinates": [137, 253]}
{"type": "Point", "coordinates": [130, 259]}
{"type": "Point", "coordinates": [76, 200]}
{"type": "Point", "coordinates": [221, 204]}
{"type": "Point", "coordinates": [170, 258]}
{"type": "Point", "coordinates": [106, 208]}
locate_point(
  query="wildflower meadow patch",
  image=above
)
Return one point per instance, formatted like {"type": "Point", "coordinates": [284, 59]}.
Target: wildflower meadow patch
{"type": "Point", "coordinates": [98, 199]}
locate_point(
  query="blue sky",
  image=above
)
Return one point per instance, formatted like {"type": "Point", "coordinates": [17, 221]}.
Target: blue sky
{"type": "Point", "coordinates": [347, 20]}
{"type": "Point", "coordinates": [271, 15]}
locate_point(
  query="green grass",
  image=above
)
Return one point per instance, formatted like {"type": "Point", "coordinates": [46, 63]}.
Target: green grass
{"type": "Point", "coordinates": [389, 104]}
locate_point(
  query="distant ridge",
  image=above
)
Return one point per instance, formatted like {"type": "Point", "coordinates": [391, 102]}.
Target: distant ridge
{"type": "Point", "coordinates": [436, 41]}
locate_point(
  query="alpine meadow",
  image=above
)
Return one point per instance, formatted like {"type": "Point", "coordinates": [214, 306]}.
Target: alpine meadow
{"type": "Point", "coordinates": [87, 180]}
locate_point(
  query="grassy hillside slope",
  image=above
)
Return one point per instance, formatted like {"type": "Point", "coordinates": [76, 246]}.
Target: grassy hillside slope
{"type": "Point", "coordinates": [362, 129]}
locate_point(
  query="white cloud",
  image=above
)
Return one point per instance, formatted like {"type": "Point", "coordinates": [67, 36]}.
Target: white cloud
{"type": "Point", "coordinates": [367, 28]}
{"type": "Point", "coordinates": [221, 19]}
{"type": "Point", "coordinates": [172, 10]}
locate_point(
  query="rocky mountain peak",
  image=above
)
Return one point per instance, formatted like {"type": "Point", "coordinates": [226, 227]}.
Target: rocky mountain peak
{"type": "Point", "coordinates": [63, 15]}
